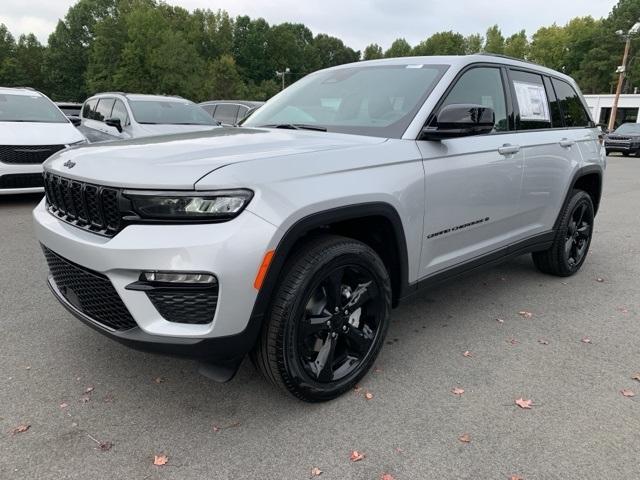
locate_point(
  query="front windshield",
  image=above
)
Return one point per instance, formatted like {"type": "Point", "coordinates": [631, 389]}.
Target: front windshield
{"type": "Point", "coordinates": [29, 108]}
{"type": "Point", "coordinates": [169, 112]}
{"type": "Point", "coordinates": [629, 128]}
{"type": "Point", "coordinates": [364, 100]}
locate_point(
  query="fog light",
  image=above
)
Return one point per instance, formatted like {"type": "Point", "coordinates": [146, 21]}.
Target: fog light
{"type": "Point", "coordinates": [180, 277]}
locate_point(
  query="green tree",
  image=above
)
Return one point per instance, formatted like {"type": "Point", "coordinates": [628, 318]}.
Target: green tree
{"type": "Point", "coordinates": [29, 56]}
{"type": "Point", "coordinates": [473, 43]}
{"type": "Point", "coordinates": [372, 52]}
{"type": "Point", "coordinates": [7, 57]}
{"type": "Point", "coordinates": [549, 47]}
{"type": "Point", "coordinates": [399, 48]}
{"type": "Point", "coordinates": [250, 48]}
{"type": "Point", "coordinates": [517, 45]}
{"type": "Point", "coordinates": [442, 43]}
{"type": "Point", "coordinates": [223, 80]}
{"type": "Point", "coordinates": [494, 42]}
{"type": "Point", "coordinates": [332, 51]}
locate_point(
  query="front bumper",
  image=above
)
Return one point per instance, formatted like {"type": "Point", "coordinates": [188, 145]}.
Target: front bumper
{"type": "Point", "coordinates": [20, 178]}
{"type": "Point", "coordinates": [622, 147]}
{"type": "Point", "coordinates": [232, 251]}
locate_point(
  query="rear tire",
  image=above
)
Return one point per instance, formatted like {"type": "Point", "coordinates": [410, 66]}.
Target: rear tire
{"type": "Point", "coordinates": [327, 320]}
{"type": "Point", "coordinates": [571, 244]}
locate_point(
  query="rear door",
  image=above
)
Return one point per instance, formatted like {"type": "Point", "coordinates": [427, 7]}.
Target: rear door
{"type": "Point", "coordinates": [472, 184]}
{"type": "Point", "coordinates": [551, 152]}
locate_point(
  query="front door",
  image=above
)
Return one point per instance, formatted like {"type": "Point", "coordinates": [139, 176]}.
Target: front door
{"type": "Point", "coordinates": [472, 184]}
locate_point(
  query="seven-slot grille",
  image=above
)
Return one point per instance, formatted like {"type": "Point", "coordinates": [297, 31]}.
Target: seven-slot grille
{"type": "Point", "coordinates": [87, 206]}
{"type": "Point", "coordinates": [90, 292]}
{"type": "Point", "coordinates": [27, 154]}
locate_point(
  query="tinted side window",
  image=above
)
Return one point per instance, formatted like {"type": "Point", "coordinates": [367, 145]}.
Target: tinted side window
{"type": "Point", "coordinates": [481, 86]}
{"type": "Point", "coordinates": [554, 105]}
{"type": "Point", "coordinates": [120, 111]}
{"type": "Point", "coordinates": [103, 110]}
{"type": "Point", "coordinates": [532, 99]}
{"type": "Point", "coordinates": [226, 113]}
{"type": "Point", "coordinates": [242, 112]}
{"type": "Point", "coordinates": [573, 110]}
{"type": "Point", "coordinates": [88, 108]}
{"type": "Point", "coordinates": [209, 109]}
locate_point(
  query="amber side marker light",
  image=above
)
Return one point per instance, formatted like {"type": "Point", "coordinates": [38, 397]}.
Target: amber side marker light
{"type": "Point", "coordinates": [262, 271]}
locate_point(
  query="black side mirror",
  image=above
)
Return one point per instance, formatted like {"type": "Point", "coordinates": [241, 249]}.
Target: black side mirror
{"type": "Point", "coordinates": [461, 120]}
{"type": "Point", "coordinates": [115, 123]}
{"type": "Point", "coordinates": [75, 120]}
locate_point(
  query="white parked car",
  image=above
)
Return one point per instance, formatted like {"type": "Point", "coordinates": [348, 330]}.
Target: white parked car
{"type": "Point", "coordinates": [117, 115]}
{"type": "Point", "coordinates": [32, 128]}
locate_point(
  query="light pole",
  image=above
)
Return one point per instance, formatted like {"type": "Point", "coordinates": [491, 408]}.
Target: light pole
{"type": "Point", "coordinates": [287, 71]}
{"type": "Point", "coordinates": [622, 70]}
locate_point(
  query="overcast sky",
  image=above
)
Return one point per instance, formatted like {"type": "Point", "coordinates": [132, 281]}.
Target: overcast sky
{"type": "Point", "coordinates": [356, 22]}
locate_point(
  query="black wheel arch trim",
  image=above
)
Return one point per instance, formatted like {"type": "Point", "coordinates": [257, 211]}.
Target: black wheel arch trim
{"type": "Point", "coordinates": [581, 172]}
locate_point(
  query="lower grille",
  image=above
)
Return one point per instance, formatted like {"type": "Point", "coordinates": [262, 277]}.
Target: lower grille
{"type": "Point", "coordinates": [194, 306]}
{"type": "Point", "coordinates": [21, 180]}
{"type": "Point", "coordinates": [27, 154]}
{"type": "Point", "coordinates": [90, 292]}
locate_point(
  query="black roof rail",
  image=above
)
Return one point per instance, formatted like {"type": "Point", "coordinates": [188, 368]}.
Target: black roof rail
{"type": "Point", "coordinates": [500, 55]}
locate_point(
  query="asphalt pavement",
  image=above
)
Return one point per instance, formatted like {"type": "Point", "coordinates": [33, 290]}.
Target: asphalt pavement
{"type": "Point", "coordinates": [79, 391]}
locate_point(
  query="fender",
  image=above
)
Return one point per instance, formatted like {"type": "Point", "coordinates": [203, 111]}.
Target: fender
{"type": "Point", "coordinates": [314, 221]}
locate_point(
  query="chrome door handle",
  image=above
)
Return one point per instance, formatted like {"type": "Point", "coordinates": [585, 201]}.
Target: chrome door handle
{"type": "Point", "coordinates": [566, 143]}
{"type": "Point", "coordinates": [508, 149]}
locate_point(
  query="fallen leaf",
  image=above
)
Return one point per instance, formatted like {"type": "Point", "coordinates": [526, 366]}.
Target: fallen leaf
{"type": "Point", "coordinates": [368, 395]}
{"type": "Point", "coordinates": [600, 279]}
{"type": "Point", "coordinates": [357, 389]}
{"type": "Point", "coordinates": [465, 438]}
{"type": "Point", "coordinates": [105, 446]}
{"type": "Point", "coordinates": [522, 403]}
{"type": "Point", "coordinates": [216, 428]}
{"type": "Point", "coordinates": [89, 390]}
{"type": "Point", "coordinates": [160, 460]}
{"type": "Point", "coordinates": [585, 340]}
{"type": "Point", "coordinates": [636, 377]}
{"type": "Point", "coordinates": [398, 450]}
{"type": "Point", "coordinates": [513, 341]}
{"type": "Point", "coordinates": [108, 398]}
{"type": "Point", "coordinates": [622, 310]}
{"type": "Point", "coordinates": [467, 354]}
{"type": "Point", "coordinates": [457, 391]}
{"type": "Point", "coordinates": [64, 405]}
{"type": "Point", "coordinates": [515, 477]}
{"type": "Point", "coordinates": [85, 398]}
{"type": "Point", "coordinates": [158, 380]}
{"type": "Point", "coordinates": [356, 456]}
{"type": "Point", "coordinates": [499, 320]}
{"type": "Point", "coordinates": [316, 472]}
{"type": "Point", "coordinates": [28, 367]}
{"type": "Point", "coordinates": [387, 476]}
{"type": "Point", "coordinates": [542, 341]}
{"type": "Point", "coordinates": [20, 428]}
{"type": "Point", "coordinates": [525, 314]}
{"type": "Point", "coordinates": [377, 370]}
{"type": "Point", "coordinates": [627, 393]}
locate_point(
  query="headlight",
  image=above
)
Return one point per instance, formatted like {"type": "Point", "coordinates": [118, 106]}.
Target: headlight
{"type": "Point", "coordinates": [218, 205]}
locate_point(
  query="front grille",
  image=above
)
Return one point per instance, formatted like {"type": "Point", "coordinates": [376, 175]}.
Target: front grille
{"type": "Point", "coordinates": [90, 292]}
{"type": "Point", "coordinates": [27, 154]}
{"type": "Point", "coordinates": [87, 206]}
{"type": "Point", "coordinates": [194, 306]}
{"type": "Point", "coordinates": [21, 180]}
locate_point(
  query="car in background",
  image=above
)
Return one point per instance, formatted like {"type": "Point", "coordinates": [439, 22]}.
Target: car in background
{"type": "Point", "coordinates": [230, 112]}
{"type": "Point", "coordinates": [117, 115]}
{"type": "Point", "coordinates": [32, 128]}
{"type": "Point", "coordinates": [625, 139]}
{"type": "Point", "coordinates": [71, 110]}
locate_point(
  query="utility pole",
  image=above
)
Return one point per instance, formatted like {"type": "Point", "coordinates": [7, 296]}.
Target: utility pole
{"type": "Point", "coordinates": [621, 70]}
{"type": "Point", "coordinates": [282, 74]}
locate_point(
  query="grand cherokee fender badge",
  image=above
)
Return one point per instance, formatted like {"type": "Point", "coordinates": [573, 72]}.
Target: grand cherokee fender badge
{"type": "Point", "coordinates": [69, 164]}
{"type": "Point", "coordinates": [458, 227]}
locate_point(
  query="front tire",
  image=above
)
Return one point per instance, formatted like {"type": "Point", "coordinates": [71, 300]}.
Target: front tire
{"type": "Point", "coordinates": [327, 321]}
{"type": "Point", "coordinates": [571, 244]}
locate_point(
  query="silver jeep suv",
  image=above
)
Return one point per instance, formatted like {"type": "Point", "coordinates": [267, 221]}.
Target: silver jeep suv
{"type": "Point", "coordinates": [292, 237]}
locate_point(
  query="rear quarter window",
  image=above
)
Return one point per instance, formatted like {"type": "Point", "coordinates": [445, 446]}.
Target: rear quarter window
{"type": "Point", "coordinates": [571, 106]}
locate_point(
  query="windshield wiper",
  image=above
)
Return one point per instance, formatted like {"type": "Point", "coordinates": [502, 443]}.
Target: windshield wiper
{"type": "Point", "coordinates": [295, 126]}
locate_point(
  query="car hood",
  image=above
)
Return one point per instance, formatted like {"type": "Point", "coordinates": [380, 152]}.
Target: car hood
{"type": "Point", "coordinates": [38, 133]}
{"type": "Point", "coordinates": [179, 161]}
{"type": "Point", "coordinates": [168, 129]}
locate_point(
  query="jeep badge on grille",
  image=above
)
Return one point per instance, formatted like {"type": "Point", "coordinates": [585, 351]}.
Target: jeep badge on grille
{"type": "Point", "coordinates": [69, 164]}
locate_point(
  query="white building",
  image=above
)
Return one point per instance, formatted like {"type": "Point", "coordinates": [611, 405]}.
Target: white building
{"type": "Point", "coordinates": [601, 105]}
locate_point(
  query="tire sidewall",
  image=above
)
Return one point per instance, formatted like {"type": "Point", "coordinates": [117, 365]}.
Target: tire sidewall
{"type": "Point", "coordinates": [578, 198]}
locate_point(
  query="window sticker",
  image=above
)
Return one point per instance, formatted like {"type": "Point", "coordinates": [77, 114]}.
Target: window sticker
{"type": "Point", "coordinates": [532, 100]}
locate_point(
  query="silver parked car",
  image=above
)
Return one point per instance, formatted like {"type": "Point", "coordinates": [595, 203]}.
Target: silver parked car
{"type": "Point", "coordinates": [118, 115]}
{"type": "Point", "coordinates": [292, 237]}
